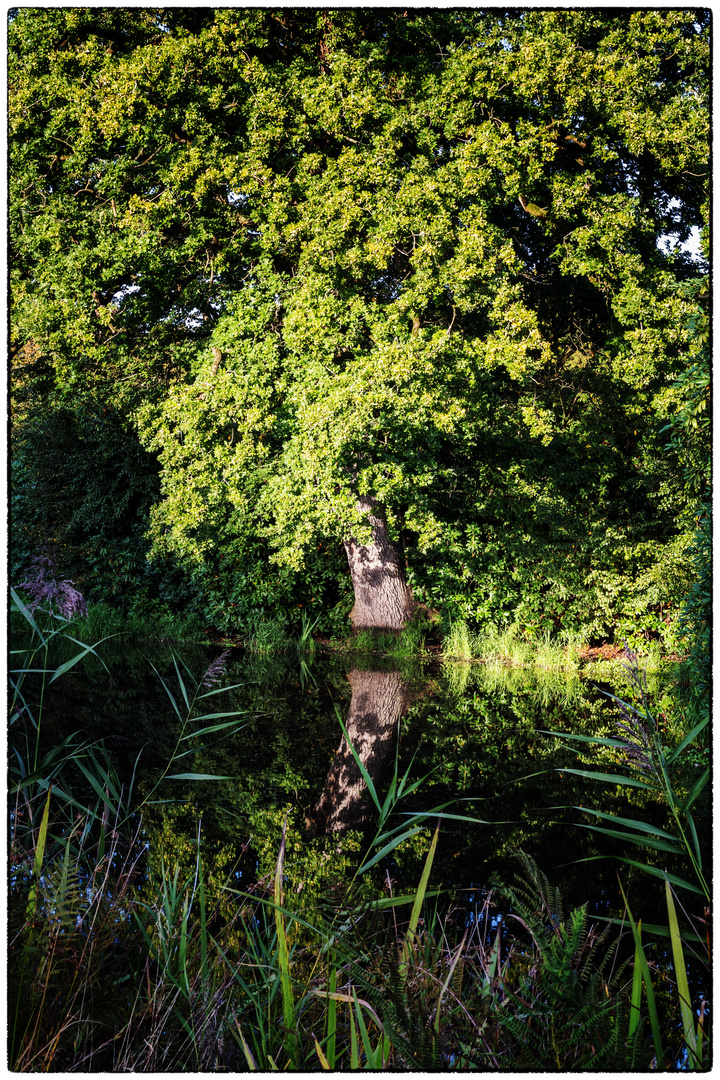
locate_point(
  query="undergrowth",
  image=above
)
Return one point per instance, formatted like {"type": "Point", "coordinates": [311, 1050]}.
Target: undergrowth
{"type": "Point", "coordinates": [118, 965]}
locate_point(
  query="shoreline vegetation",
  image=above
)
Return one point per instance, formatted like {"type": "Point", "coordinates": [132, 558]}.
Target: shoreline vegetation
{"type": "Point", "coordinates": [508, 646]}
{"type": "Point", "coordinates": [120, 962]}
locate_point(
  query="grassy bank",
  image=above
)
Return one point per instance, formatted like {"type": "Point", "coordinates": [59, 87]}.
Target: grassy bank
{"type": "Point", "coordinates": [111, 975]}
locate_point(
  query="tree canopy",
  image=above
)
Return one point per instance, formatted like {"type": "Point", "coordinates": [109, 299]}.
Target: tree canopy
{"type": "Point", "coordinates": [432, 257]}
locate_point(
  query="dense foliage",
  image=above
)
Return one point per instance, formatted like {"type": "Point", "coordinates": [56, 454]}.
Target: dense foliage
{"type": "Point", "coordinates": [266, 261]}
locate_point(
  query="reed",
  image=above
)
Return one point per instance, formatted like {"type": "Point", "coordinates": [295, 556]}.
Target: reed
{"type": "Point", "coordinates": [649, 767]}
{"type": "Point", "coordinates": [115, 966]}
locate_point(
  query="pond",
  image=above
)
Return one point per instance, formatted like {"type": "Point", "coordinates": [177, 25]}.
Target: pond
{"type": "Point", "coordinates": [473, 740]}
{"type": "Point", "coordinates": [177, 796]}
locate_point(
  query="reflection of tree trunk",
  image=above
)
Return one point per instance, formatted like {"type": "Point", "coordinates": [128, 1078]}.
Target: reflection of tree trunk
{"type": "Point", "coordinates": [379, 698]}
{"type": "Point", "coordinates": [383, 600]}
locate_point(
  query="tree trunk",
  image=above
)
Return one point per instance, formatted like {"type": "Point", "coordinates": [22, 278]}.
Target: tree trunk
{"type": "Point", "coordinates": [383, 600]}
{"type": "Point", "coordinates": [379, 698]}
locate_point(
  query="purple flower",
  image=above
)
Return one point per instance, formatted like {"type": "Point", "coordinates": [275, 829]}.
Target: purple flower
{"type": "Point", "coordinates": [45, 588]}
{"type": "Point", "coordinates": [636, 747]}
{"type": "Point", "coordinates": [637, 742]}
{"type": "Point", "coordinates": [215, 670]}
{"type": "Point", "coordinates": [637, 677]}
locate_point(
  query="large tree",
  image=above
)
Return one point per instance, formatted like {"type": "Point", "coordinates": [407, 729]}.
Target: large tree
{"type": "Point", "coordinates": [388, 279]}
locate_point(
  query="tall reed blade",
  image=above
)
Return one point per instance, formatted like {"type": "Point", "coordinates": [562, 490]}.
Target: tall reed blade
{"type": "Point", "coordinates": [652, 1010]}
{"type": "Point", "coordinates": [331, 1018]}
{"type": "Point", "coordinates": [283, 956]}
{"type": "Point", "coordinates": [419, 897]}
{"type": "Point", "coordinates": [636, 996]}
{"type": "Point", "coordinates": [373, 1058]}
{"type": "Point", "coordinates": [37, 865]}
{"type": "Point", "coordinates": [688, 1020]}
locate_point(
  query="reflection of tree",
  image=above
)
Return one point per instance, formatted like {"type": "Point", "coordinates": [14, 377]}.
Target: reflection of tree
{"type": "Point", "coordinates": [379, 698]}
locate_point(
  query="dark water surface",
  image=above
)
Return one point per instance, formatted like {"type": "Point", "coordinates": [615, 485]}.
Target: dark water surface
{"type": "Point", "coordinates": [476, 736]}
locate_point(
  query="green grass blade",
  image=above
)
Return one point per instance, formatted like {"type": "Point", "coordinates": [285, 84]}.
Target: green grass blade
{"type": "Point", "coordinates": [38, 861]}
{"type": "Point", "coordinates": [641, 826]}
{"type": "Point", "coordinates": [168, 691]}
{"type": "Point", "coordinates": [696, 842]}
{"type": "Point", "coordinates": [608, 778]}
{"type": "Point", "coordinates": [203, 918]}
{"type": "Point", "coordinates": [69, 664]}
{"type": "Point", "coordinates": [695, 791]}
{"type": "Point", "coordinates": [440, 812]}
{"type": "Point", "coordinates": [198, 776]}
{"type": "Point", "coordinates": [652, 1010]}
{"type": "Point", "coordinates": [182, 949]}
{"type": "Point", "coordinates": [388, 847]}
{"type": "Point", "coordinates": [181, 683]}
{"type": "Point", "coordinates": [420, 896]}
{"type": "Point", "coordinates": [24, 610]}
{"type": "Point", "coordinates": [283, 956]}
{"type": "Point", "coordinates": [331, 1019]}
{"type": "Point", "coordinates": [371, 1056]}
{"type": "Point", "coordinates": [354, 1056]}
{"type": "Point", "coordinates": [389, 800]}
{"type": "Point", "coordinates": [644, 841]}
{"type": "Point", "coordinates": [636, 996]}
{"type": "Point", "coordinates": [689, 738]}
{"type": "Point", "coordinates": [672, 878]}
{"type": "Point", "coordinates": [582, 738]}
{"type": "Point", "coordinates": [219, 690]}
{"type": "Point", "coordinates": [210, 729]}
{"type": "Point", "coordinates": [323, 1060]}
{"type": "Point", "coordinates": [363, 771]}
{"type": "Point", "coordinates": [219, 715]}
{"type": "Point", "coordinates": [98, 787]}
{"type": "Point", "coordinates": [688, 1020]}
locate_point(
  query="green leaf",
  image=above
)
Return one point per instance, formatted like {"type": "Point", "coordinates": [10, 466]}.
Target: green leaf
{"type": "Point", "coordinates": [390, 846]}
{"type": "Point", "coordinates": [363, 771]}
{"type": "Point", "coordinates": [608, 778]}
{"type": "Point", "coordinates": [652, 1009]}
{"type": "Point", "coordinates": [695, 790]}
{"type": "Point", "coordinates": [198, 776]}
{"type": "Point", "coordinates": [688, 1020]}
{"type": "Point", "coordinates": [689, 738]}
{"type": "Point", "coordinates": [212, 727]}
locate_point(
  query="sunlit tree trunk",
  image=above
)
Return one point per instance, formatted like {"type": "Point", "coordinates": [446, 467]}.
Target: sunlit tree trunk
{"type": "Point", "coordinates": [379, 698]}
{"type": "Point", "coordinates": [383, 600]}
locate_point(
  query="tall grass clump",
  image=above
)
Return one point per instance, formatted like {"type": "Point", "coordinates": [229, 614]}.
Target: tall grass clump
{"type": "Point", "coordinates": [678, 779]}
{"type": "Point", "coordinates": [269, 636]}
{"type": "Point", "coordinates": [458, 643]}
{"type": "Point", "coordinates": [306, 642]}
{"type": "Point", "coordinates": [512, 645]}
{"type": "Point", "coordinates": [659, 772]}
{"type": "Point", "coordinates": [75, 973]}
